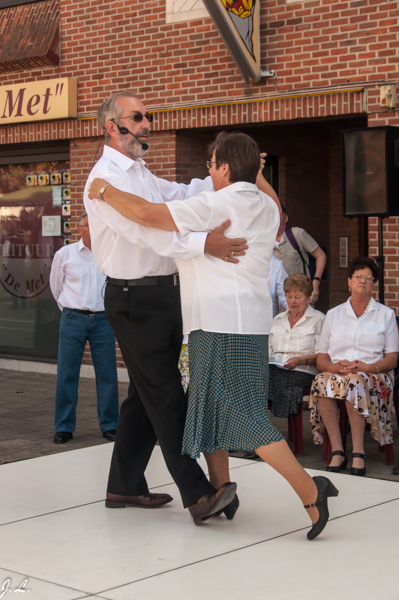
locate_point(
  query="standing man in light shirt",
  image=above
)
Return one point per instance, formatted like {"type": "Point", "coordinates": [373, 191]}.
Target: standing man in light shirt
{"type": "Point", "coordinates": [277, 275]}
{"type": "Point", "coordinates": [142, 303]}
{"type": "Point", "coordinates": [76, 285]}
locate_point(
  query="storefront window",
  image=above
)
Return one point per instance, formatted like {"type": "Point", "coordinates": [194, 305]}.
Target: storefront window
{"type": "Point", "coordinates": [34, 224]}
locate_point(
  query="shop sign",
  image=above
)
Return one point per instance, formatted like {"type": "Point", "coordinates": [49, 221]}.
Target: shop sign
{"type": "Point", "coordinates": [39, 101]}
{"type": "Point", "coordinates": [238, 24]}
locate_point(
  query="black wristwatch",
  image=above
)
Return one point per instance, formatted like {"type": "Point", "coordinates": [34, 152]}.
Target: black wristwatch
{"type": "Point", "coordinates": [318, 278]}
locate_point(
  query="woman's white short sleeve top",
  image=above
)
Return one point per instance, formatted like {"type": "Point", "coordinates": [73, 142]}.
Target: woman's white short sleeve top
{"type": "Point", "coordinates": [301, 340]}
{"type": "Point", "coordinates": [367, 338]}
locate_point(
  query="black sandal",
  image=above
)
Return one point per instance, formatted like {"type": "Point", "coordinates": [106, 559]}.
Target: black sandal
{"type": "Point", "coordinates": [355, 470]}
{"type": "Point", "coordinates": [340, 467]}
{"type": "Point", "coordinates": [325, 490]}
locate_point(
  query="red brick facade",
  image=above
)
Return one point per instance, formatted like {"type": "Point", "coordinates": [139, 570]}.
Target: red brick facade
{"type": "Point", "coordinates": [330, 58]}
{"type": "Point", "coordinates": [35, 42]}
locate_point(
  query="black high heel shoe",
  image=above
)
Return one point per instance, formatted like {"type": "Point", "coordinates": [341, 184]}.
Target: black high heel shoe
{"type": "Point", "coordinates": [340, 467]}
{"type": "Point", "coordinates": [355, 470]}
{"type": "Point", "coordinates": [230, 510]}
{"type": "Point", "coordinates": [325, 490]}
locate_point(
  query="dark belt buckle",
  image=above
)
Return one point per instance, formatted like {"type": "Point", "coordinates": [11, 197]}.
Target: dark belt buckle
{"type": "Point", "coordinates": [176, 279]}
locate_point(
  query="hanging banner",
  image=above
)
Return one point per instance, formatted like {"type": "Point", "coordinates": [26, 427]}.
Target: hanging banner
{"type": "Point", "coordinates": [238, 23]}
{"type": "Point", "coordinates": [39, 100]}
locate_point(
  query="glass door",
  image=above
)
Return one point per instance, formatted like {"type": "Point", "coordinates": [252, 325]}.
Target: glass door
{"type": "Point", "coordinates": [34, 224]}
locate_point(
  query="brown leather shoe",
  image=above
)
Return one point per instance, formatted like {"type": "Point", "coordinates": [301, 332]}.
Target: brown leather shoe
{"type": "Point", "coordinates": [146, 501]}
{"type": "Point", "coordinates": [212, 502]}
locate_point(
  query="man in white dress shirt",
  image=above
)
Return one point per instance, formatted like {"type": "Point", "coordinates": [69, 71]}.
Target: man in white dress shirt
{"type": "Point", "coordinates": [142, 303]}
{"type": "Point", "coordinates": [77, 287]}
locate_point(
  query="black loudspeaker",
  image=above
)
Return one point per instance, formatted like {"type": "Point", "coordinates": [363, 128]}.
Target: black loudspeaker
{"type": "Point", "coordinates": [371, 172]}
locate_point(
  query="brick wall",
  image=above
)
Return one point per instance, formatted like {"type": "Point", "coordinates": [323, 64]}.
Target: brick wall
{"type": "Point", "coordinates": [128, 44]}
{"type": "Point", "coordinates": [161, 160]}
{"type": "Point", "coordinates": [35, 42]}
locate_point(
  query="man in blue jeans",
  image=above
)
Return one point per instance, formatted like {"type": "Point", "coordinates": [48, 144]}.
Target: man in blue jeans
{"type": "Point", "coordinates": [77, 287]}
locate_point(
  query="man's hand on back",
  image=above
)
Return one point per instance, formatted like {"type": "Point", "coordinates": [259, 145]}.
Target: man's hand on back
{"type": "Point", "coordinates": [220, 246]}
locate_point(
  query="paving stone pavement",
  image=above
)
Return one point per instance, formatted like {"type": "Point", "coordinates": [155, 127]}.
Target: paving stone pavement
{"type": "Point", "coordinates": [27, 416]}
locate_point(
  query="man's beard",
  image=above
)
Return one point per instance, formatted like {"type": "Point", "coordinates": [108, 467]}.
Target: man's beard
{"type": "Point", "coordinates": [133, 147]}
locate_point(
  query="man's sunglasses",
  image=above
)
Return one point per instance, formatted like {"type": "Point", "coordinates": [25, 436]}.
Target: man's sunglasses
{"type": "Point", "coordinates": [138, 117]}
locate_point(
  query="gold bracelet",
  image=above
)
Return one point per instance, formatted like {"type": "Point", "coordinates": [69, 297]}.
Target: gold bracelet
{"type": "Point", "coordinates": [376, 369]}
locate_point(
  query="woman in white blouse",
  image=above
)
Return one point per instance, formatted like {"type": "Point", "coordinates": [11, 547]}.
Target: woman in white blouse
{"type": "Point", "coordinates": [357, 354]}
{"type": "Point", "coordinates": [293, 347]}
{"type": "Point", "coordinates": [223, 307]}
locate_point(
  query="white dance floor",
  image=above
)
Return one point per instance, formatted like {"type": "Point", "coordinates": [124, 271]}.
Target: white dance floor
{"type": "Point", "coordinates": [60, 542]}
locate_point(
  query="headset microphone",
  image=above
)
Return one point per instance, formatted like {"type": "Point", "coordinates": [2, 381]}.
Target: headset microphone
{"type": "Point", "coordinates": [125, 131]}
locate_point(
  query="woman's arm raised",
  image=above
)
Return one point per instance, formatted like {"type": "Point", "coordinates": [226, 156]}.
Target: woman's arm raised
{"type": "Point", "coordinates": [134, 207]}
{"type": "Point", "coordinates": [265, 187]}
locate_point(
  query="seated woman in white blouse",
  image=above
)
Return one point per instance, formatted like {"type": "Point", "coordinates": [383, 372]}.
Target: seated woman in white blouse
{"type": "Point", "coordinates": [227, 311]}
{"type": "Point", "coordinates": [293, 347]}
{"type": "Point", "coordinates": [357, 354]}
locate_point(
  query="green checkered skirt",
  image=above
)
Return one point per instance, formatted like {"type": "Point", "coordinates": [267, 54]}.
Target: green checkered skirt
{"type": "Point", "coordinates": [227, 393]}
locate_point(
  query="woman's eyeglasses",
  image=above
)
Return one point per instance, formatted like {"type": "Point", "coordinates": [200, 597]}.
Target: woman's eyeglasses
{"type": "Point", "coordinates": [138, 117]}
{"type": "Point", "coordinates": [368, 278]}
{"type": "Point", "coordinates": [209, 164]}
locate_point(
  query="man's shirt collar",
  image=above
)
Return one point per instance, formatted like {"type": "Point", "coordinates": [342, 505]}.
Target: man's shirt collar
{"type": "Point", "coordinates": [82, 245]}
{"type": "Point", "coordinates": [123, 161]}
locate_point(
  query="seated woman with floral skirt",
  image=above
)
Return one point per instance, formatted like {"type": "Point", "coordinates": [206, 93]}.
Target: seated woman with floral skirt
{"type": "Point", "coordinates": [357, 354]}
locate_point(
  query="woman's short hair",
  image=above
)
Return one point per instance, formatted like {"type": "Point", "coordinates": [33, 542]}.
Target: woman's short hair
{"type": "Point", "coordinates": [110, 109]}
{"type": "Point", "coordinates": [240, 152]}
{"type": "Point", "coordinates": [298, 282]}
{"type": "Point", "coordinates": [364, 262]}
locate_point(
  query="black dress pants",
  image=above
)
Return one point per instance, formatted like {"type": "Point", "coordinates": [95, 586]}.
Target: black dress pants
{"type": "Point", "coordinates": [147, 324]}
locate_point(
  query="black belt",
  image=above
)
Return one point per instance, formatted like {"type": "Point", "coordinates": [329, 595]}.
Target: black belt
{"type": "Point", "coordinates": [144, 281]}
{"type": "Point", "coordinates": [86, 312]}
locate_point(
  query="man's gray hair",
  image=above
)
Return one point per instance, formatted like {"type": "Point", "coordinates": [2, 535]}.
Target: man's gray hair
{"type": "Point", "coordinates": [82, 216]}
{"type": "Point", "coordinates": [110, 109]}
